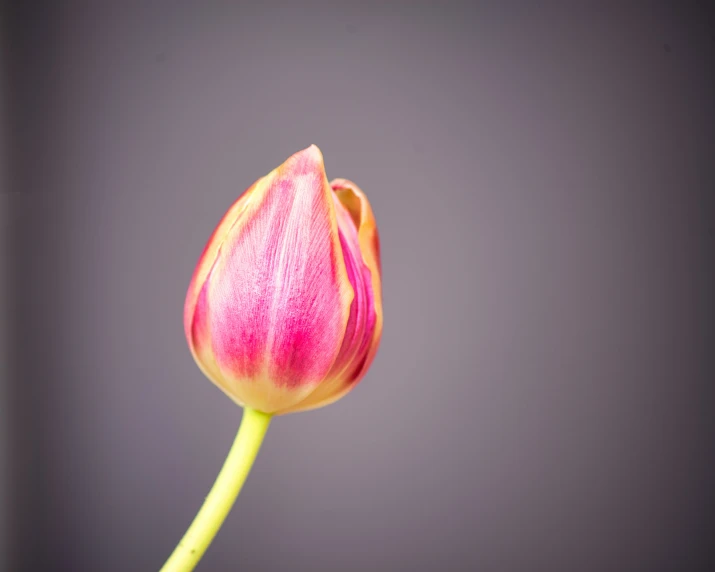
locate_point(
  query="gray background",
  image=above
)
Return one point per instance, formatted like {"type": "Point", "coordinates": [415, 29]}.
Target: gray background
{"type": "Point", "coordinates": [543, 183]}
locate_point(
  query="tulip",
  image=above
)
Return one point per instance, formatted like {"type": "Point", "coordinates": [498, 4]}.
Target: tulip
{"type": "Point", "coordinates": [283, 312]}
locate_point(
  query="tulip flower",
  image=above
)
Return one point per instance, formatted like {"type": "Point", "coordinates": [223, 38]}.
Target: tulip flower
{"type": "Point", "coordinates": [283, 312]}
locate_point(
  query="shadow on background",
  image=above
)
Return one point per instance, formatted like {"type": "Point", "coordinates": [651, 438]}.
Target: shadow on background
{"type": "Point", "coordinates": [32, 282]}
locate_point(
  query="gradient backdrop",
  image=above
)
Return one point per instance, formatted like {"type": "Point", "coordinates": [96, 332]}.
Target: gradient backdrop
{"type": "Point", "coordinates": [543, 182]}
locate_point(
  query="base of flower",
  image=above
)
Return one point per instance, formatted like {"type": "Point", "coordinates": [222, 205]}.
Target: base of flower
{"type": "Point", "coordinates": [220, 499]}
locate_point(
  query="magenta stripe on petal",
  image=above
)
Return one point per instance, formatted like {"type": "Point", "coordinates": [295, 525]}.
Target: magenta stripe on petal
{"type": "Point", "coordinates": [356, 372]}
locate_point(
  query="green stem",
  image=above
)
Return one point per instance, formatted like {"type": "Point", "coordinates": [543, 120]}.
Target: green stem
{"type": "Point", "coordinates": [219, 501]}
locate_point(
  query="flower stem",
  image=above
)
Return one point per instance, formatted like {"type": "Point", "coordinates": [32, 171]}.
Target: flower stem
{"type": "Point", "coordinates": [219, 501]}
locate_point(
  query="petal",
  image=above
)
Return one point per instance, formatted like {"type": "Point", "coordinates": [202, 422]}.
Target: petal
{"type": "Point", "coordinates": [196, 306]}
{"type": "Point", "coordinates": [361, 250]}
{"type": "Point", "coordinates": [362, 314]}
{"type": "Point", "coordinates": [280, 294]}
{"type": "Point", "coordinates": [356, 203]}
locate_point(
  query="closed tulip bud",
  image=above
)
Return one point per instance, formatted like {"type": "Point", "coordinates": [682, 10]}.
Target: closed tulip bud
{"type": "Point", "coordinates": [284, 310]}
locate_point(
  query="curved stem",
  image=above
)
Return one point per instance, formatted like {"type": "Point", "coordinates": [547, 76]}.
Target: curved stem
{"type": "Point", "coordinates": [219, 501]}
